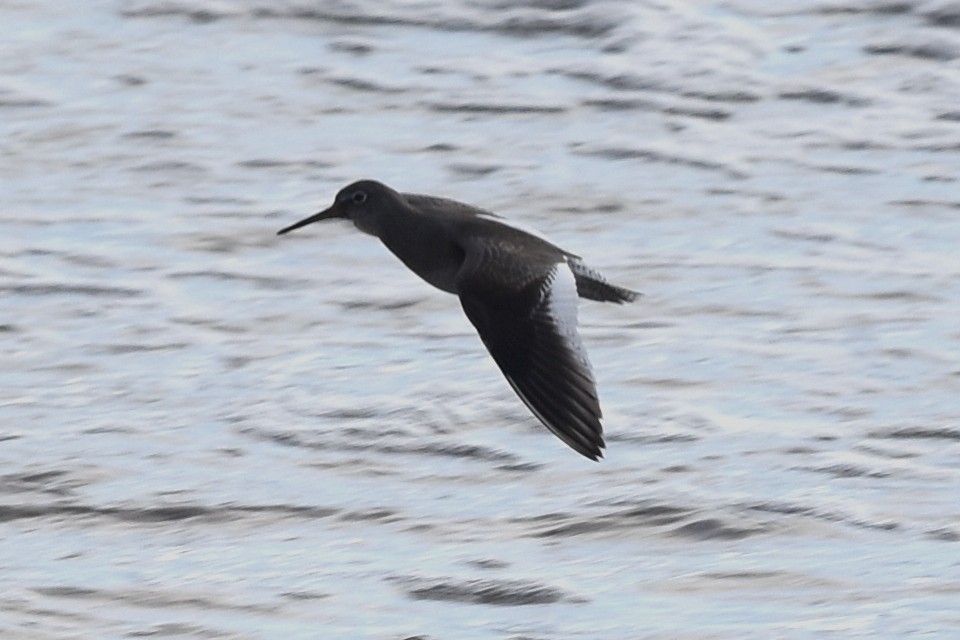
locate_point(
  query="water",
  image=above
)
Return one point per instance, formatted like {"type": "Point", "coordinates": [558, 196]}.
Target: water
{"type": "Point", "coordinates": [212, 432]}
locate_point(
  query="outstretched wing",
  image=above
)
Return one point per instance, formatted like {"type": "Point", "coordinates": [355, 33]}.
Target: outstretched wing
{"type": "Point", "coordinates": [529, 327]}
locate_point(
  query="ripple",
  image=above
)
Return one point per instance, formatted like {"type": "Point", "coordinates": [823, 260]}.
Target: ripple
{"type": "Point", "coordinates": [56, 289]}
{"type": "Point", "coordinates": [926, 46]}
{"type": "Point", "coordinates": [714, 529]}
{"type": "Point", "coordinates": [920, 433]}
{"type": "Point", "coordinates": [392, 442]}
{"type": "Point", "coordinates": [665, 156]}
{"type": "Point", "coordinates": [507, 593]}
{"type": "Point", "coordinates": [493, 108]}
{"type": "Point", "coordinates": [161, 514]}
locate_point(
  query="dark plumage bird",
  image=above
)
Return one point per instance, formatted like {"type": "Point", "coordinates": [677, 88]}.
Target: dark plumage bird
{"type": "Point", "coordinates": [518, 290]}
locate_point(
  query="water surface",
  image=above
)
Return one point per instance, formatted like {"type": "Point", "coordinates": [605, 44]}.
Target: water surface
{"type": "Point", "coordinates": [212, 432]}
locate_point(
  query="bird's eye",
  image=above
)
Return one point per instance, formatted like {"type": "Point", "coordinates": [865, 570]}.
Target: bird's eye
{"type": "Point", "coordinates": [359, 197]}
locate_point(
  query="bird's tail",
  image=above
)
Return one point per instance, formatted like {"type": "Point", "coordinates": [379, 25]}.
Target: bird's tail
{"type": "Point", "coordinates": [593, 286]}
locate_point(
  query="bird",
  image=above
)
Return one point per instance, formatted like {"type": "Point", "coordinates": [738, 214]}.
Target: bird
{"type": "Point", "coordinates": [518, 290]}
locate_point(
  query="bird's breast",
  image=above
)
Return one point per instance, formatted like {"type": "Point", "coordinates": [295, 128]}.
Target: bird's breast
{"type": "Point", "coordinates": [433, 257]}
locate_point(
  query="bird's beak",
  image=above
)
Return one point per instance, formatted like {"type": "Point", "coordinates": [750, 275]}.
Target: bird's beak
{"type": "Point", "coordinates": [326, 214]}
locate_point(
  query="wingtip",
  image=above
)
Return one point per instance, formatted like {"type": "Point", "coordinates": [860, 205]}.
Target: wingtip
{"type": "Point", "coordinates": [597, 455]}
{"type": "Point", "coordinates": [630, 296]}
{"type": "Point", "coordinates": [592, 451]}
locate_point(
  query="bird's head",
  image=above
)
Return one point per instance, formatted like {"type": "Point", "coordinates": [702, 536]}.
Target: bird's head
{"type": "Point", "coordinates": [364, 203]}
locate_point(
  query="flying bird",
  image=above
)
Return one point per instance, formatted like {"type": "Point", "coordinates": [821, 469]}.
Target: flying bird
{"type": "Point", "coordinates": [519, 291]}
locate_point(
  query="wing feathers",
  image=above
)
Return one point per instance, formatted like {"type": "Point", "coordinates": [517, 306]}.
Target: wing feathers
{"type": "Point", "coordinates": [577, 431]}
{"type": "Point", "coordinates": [531, 333]}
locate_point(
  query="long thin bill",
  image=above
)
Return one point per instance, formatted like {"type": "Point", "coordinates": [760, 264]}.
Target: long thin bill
{"type": "Point", "coordinates": [326, 214]}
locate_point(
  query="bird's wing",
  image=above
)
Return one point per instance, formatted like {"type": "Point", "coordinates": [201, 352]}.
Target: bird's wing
{"type": "Point", "coordinates": [528, 322]}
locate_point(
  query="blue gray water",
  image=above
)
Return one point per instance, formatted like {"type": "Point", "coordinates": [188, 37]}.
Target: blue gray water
{"type": "Point", "coordinates": [207, 431]}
